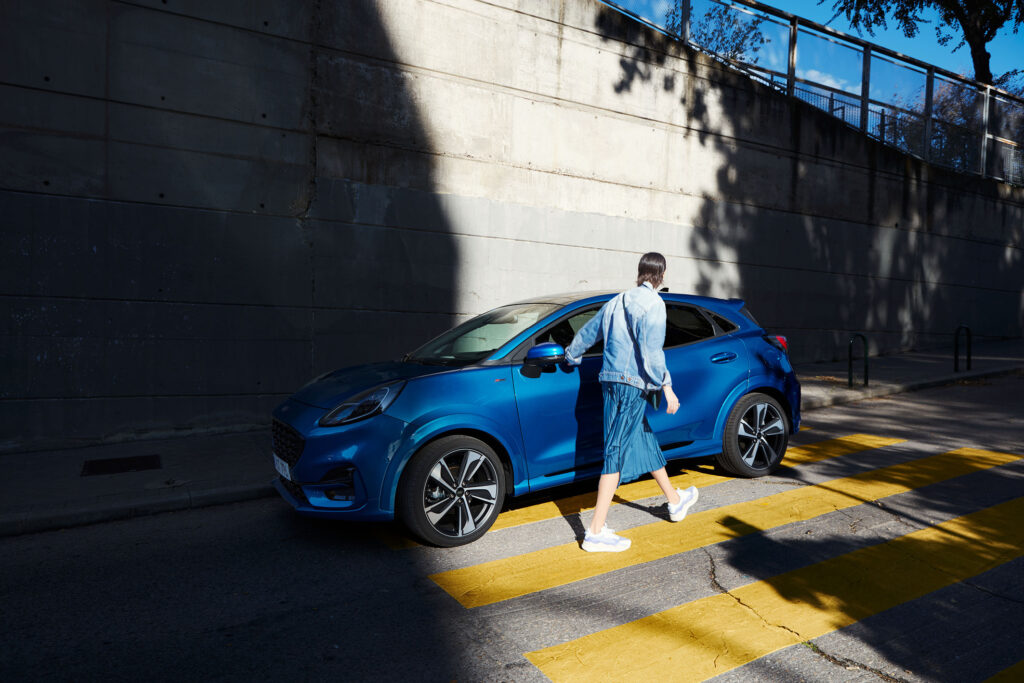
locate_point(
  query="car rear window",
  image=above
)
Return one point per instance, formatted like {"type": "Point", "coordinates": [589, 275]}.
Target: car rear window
{"type": "Point", "coordinates": [746, 311]}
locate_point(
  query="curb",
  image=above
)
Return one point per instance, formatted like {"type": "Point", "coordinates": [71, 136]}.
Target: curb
{"type": "Point", "coordinates": [29, 522]}
{"type": "Point", "coordinates": [846, 395]}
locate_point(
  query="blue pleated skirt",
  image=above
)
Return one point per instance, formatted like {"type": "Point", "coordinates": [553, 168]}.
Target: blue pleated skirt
{"type": "Point", "coordinates": [630, 447]}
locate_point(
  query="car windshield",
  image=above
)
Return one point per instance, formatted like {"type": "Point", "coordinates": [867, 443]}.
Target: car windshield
{"type": "Point", "coordinates": [477, 338]}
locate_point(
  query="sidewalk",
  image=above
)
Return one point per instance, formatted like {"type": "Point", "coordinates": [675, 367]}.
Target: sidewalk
{"type": "Point", "coordinates": [46, 490]}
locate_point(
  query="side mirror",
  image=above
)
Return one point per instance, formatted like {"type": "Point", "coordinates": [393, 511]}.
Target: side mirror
{"type": "Point", "coordinates": [548, 353]}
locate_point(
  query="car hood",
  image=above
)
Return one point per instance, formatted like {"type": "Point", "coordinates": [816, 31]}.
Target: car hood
{"type": "Point", "coordinates": [331, 389]}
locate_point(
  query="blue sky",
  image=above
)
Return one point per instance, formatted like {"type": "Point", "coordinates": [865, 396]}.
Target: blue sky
{"type": "Point", "coordinates": [1007, 49]}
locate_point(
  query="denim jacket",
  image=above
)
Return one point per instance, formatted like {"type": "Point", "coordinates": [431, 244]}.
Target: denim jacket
{"type": "Point", "coordinates": [633, 328]}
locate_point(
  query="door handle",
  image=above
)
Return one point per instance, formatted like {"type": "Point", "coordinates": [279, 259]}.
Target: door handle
{"type": "Point", "coordinates": [724, 357]}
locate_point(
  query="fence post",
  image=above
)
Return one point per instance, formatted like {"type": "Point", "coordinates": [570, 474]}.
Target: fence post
{"type": "Point", "coordinates": [791, 72]}
{"type": "Point", "coordinates": [929, 95]}
{"type": "Point", "coordinates": [956, 348]}
{"type": "Point", "coordinates": [684, 20]}
{"type": "Point", "coordinates": [849, 358]}
{"type": "Point", "coordinates": [984, 136]}
{"type": "Point", "coordinates": [865, 88]}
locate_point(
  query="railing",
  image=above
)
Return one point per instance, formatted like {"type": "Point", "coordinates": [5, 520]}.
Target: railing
{"type": "Point", "coordinates": [923, 110]}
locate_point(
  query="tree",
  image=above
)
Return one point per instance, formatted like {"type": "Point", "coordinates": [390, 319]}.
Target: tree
{"type": "Point", "coordinates": [726, 32]}
{"type": "Point", "coordinates": [977, 21]}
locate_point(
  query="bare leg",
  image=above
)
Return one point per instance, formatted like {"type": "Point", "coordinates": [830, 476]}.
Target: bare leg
{"type": "Point", "coordinates": [661, 477]}
{"type": "Point", "coordinates": [605, 492]}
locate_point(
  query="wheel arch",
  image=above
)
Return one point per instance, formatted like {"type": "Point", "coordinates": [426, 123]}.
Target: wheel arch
{"type": "Point", "coordinates": [778, 396]}
{"type": "Point", "coordinates": [745, 390]}
{"type": "Point", "coordinates": [494, 442]}
{"type": "Point", "coordinates": [426, 434]}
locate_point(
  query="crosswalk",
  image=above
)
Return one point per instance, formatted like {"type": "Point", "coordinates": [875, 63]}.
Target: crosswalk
{"type": "Point", "coordinates": [713, 634]}
{"type": "Point", "coordinates": [724, 631]}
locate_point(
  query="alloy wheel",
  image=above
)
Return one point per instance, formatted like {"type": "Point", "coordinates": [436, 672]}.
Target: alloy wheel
{"type": "Point", "coordinates": [761, 433]}
{"type": "Point", "coordinates": [460, 492]}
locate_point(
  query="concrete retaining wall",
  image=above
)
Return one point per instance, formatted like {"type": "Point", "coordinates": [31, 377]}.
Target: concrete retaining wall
{"type": "Point", "coordinates": [205, 205]}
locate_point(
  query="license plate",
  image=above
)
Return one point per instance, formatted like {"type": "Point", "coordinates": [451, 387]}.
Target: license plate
{"type": "Point", "coordinates": [282, 468]}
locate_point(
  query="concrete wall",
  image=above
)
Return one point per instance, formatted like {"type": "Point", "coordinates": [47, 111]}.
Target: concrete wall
{"type": "Point", "coordinates": [206, 204]}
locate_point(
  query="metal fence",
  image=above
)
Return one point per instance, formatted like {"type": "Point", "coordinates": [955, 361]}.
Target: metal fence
{"type": "Point", "coordinates": [919, 108]}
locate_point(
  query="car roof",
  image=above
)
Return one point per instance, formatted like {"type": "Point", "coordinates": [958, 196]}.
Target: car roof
{"type": "Point", "coordinates": [566, 298]}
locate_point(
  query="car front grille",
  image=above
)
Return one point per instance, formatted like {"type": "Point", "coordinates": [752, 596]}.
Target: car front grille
{"type": "Point", "coordinates": [288, 443]}
{"type": "Point", "coordinates": [295, 490]}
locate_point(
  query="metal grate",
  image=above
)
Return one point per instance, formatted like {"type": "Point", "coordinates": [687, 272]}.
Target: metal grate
{"type": "Point", "coordinates": [135, 463]}
{"type": "Point", "coordinates": [288, 443]}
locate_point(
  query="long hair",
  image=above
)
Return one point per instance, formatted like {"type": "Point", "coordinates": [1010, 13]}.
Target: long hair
{"type": "Point", "coordinates": [651, 269]}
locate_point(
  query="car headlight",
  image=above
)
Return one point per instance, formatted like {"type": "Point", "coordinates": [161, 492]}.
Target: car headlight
{"type": "Point", "coordinates": [361, 406]}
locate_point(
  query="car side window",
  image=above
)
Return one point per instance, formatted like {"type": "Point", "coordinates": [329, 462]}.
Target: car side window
{"type": "Point", "coordinates": [685, 325]}
{"type": "Point", "coordinates": [563, 332]}
{"type": "Point", "coordinates": [726, 325]}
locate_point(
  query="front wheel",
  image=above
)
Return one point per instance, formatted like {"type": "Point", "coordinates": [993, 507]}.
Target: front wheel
{"type": "Point", "coordinates": [452, 491]}
{"type": "Point", "coordinates": [756, 436]}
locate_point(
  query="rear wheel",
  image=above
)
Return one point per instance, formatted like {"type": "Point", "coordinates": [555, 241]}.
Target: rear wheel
{"type": "Point", "coordinates": [452, 491]}
{"type": "Point", "coordinates": [756, 436]}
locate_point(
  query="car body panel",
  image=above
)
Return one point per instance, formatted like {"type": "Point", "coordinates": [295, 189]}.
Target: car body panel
{"type": "Point", "coordinates": [477, 399]}
{"type": "Point", "coordinates": [701, 386]}
{"type": "Point", "coordinates": [330, 389]}
{"type": "Point", "coordinates": [557, 405]}
{"type": "Point", "coordinates": [771, 370]}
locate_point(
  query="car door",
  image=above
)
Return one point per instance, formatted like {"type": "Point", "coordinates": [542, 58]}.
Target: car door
{"type": "Point", "coordinates": [706, 365]}
{"type": "Point", "coordinates": [561, 409]}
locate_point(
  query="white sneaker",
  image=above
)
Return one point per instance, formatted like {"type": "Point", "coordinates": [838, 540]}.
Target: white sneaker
{"type": "Point", "coordinates": [605, 542]}
{"type": "Point", "coordinates": [686, 500]}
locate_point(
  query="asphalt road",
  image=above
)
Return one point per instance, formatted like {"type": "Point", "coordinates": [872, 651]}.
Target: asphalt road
{"type": "Point", "coordinates": [874, 555]}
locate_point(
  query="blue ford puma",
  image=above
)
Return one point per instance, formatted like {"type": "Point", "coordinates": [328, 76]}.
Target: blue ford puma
{"type": "Point", "coordinates": [489, 409]}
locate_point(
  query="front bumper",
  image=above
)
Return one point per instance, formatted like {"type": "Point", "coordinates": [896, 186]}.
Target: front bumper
{"type": "Point", "coordinates": [336, 472]}
{"type": "Point", "coordinates": [295, 495]}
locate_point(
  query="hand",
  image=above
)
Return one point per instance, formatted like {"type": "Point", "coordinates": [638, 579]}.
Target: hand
{"type": "Point", "coordinates": [671, 402]}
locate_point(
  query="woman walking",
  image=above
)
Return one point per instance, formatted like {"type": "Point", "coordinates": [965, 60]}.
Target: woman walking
{"type": "Point", "coordinates": [633, 368]}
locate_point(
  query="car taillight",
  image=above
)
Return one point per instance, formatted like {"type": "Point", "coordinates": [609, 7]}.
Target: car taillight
{"type": "Point", "coordinates": [778, 341]}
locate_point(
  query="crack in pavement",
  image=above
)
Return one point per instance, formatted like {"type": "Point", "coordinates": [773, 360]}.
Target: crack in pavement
{"type": "Point", "coordinates": [850, 664]}
{"type": "Point", "coordinates": [832, 659]}
{"type": "Point", "coordinates": [994, 594]}
{"type": "Point", "coordinates": [721, 589]}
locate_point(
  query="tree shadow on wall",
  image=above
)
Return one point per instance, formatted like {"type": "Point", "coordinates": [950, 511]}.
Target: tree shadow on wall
{"type": "Point", "coordinates": [821, 230]}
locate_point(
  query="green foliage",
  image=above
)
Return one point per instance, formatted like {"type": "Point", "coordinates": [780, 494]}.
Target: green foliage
{"type": "Point", "coordinates": [974, 22]}
{"type": "Point", "coordinates": [726, 32]}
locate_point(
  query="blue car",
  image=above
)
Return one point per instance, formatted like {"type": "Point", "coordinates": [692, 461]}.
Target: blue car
{"type": "Point", "coordinates": [489, 409]}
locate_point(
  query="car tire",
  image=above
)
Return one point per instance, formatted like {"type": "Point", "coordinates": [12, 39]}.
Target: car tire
{"type": "Point", "coordinates": [756, 436]}
{"type": "Point", "coordinates": [452, 491]}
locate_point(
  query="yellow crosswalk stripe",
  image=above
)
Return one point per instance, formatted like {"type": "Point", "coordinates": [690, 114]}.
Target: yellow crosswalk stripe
{"type": "Point", "coordinates": [706, 637]}
{"type": "Point", "coordinates": [503, 579]}
{"type": "Point", "coordinates": [1015, 674]}
{"type": "Point", "coordinates": [648, 488]}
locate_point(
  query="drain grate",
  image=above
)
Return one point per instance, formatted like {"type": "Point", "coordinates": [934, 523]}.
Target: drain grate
{"type": "Point", "coordinates": [135, 463]}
